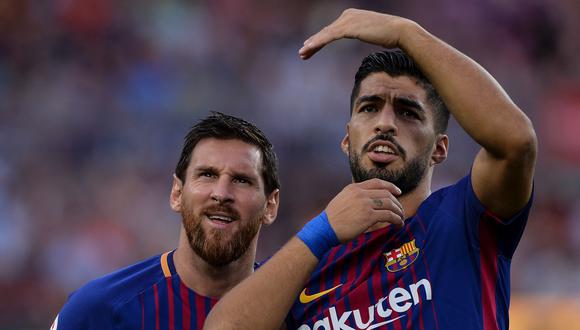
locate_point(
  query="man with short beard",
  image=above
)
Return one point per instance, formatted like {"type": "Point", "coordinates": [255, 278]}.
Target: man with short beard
{"type": "Point", "coordinates": [387, 253]}
{"type": "Point", "coordinates": [225, 187]}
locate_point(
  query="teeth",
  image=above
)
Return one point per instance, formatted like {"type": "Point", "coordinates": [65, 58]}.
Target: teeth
{"type": "Point", "coordinates": [220, 218]}
{"type": "Point", "coordinates": [384, 149]}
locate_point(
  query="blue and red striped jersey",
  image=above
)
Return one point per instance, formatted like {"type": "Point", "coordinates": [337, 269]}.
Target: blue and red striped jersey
{"type": "Point", "coordinates": [146, 295]}
{"type": "Point", "coordinates": [447, 268]}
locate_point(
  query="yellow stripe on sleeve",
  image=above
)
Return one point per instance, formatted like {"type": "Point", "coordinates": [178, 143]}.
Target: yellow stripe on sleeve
{"type": "Point", "coordinates": [164, 264]}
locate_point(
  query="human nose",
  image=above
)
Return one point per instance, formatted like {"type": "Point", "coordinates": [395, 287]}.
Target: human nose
{"type": "Point", "coordinates": [221, 191]}
{"type": "Point", "coordinates": [386, 121]}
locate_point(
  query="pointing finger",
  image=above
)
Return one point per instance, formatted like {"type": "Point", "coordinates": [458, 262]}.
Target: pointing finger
{"type": "Point", "coordinates": [316, 42]}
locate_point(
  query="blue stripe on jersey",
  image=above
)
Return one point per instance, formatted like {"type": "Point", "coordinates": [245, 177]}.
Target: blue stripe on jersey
{"type": "Point", "coordinates": [195, 306]}
{"type": "Point", "coordinates": [136, 297]}
{"type": "Point", "coordinates": [149, 308]}
{"type": "Point", "coordinates": [423, 233]}
{"type": "Point", "coordinates": [434, 275]}
{"type": "Point", "coordinates": [416, 318]}
{"type": "Point", "coordinates": [344, 279]}
{"type": "Point", "coordinates": [177, 303]}
{"type": "Point", "coordinates": [164, 313]}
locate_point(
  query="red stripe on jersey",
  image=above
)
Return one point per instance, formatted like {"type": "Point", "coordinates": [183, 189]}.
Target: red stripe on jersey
{"type": "Point", "coordinates": [428, 273]}
{"type": "Point", "coordinates": [488, 265]}
{"type": "Point", "coordinates": [392, 280]}
{"type": "Point", "coordinates": [331, 258]}
{"type": "Point", "coordinates": [351, 271]}
{"type": "Point", "coordinates": [414, 275]}
{"type": "Point", "coordinates": [322, 287]}
{"type": "Point", "coordinates": [401, 283]}
{"type": "Point", "coordinates": [335, 280]}
{"type": "Point", "coordinates": [212, 302]}
{"type": "Point", "coordinates": [170, 303]}
{"type": "Point", "coordinates": [185, 309]}
{"type": "Point", "coordinates": [156, 296]}
{"type": "Point", "coordinates": [142, 312]}
{"type": "Point", "coordinates": [368, 257]}
{"type": "Point", "coordinates": [199, 311]}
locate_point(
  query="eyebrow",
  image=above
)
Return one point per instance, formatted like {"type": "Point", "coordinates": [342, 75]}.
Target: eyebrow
{"type": "Point", "coordinates": [369, 98]}
{"type": "Point", "coordinates": [204, 168]}
{"type": "Point", "coordinates": [408, 102]}
{"type": "Point", "coordinates": [237, 175]}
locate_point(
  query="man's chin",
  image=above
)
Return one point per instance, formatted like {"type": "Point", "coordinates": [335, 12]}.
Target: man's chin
{"type": "Point", "coordinates": [218, 255]}
{"type": "Point", "coordinates": [377, 166]}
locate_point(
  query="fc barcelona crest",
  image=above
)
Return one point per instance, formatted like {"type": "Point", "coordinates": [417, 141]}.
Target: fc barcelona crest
{"type": "Point", "coordinates": [401, 258]}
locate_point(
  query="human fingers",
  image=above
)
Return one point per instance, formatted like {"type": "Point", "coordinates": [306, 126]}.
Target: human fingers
{"type": "Point", "coordinates": [316, 42]}
{"type": "Point", "coordinates": [387, 203]}
{"type": "Point", "coordinates": [384, 194]}
{"type": "Point", "coordinates": [339, 28]}
{"type": "Point", "coordinates": [387, 216]}
{"type": "Point", "coordinates": [378, 184]}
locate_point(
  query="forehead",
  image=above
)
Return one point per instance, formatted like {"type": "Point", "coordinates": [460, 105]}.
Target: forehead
{"type": "Point", "coordinates": [234, 155]}
{"type": "Point", "coordinates": [382, 84]}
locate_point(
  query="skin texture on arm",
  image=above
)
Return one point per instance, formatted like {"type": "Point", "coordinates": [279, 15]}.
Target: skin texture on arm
{"type": "Point", "coordinates": [503, 169]}
{"type": "Point", "coordinates": [263, 300]}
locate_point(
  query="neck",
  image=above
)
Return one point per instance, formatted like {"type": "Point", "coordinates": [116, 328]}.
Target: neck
{"type": "Point", "coordinates": [413, 199]}
{"type": "Point", "coordinates": [208, 280]}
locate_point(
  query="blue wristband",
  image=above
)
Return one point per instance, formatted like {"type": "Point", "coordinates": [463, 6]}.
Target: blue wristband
{"type": "Point", "coordinates": [318, 235]}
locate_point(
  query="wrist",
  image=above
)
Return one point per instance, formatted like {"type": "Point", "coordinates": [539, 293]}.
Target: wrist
{"type": "Point", "coordinates": [410, 33]}
{"type": "Point", "coordinates": [318, 235]}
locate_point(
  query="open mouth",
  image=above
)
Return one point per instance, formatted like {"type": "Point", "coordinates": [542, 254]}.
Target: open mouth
{"type": "Point", "coordinates": [385, 149]}
{"type": "Point", "coordinates": [382, 152]}
{"type": "Point", "coordinates": [220, 218]}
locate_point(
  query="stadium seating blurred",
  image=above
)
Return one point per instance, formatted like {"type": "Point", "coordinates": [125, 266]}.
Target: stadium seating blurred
{"type": "Point", "coordinates": [96, 95]}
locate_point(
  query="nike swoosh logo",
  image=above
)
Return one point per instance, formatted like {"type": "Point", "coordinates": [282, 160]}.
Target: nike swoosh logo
{"type": "Point", "coordinates": [306, 298]}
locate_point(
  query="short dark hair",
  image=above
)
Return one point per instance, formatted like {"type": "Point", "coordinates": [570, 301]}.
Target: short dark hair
{"type": "Point", "coordinates": [225, 127]}
{"type": "Point", "coordinates": [395, 62]}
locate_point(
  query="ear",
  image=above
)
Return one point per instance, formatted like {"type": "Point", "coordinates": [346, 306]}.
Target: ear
{"type": "Point", "coordinates": [175, 196]}
{"type": "Point", "coordinates": [345, 143]}
{"type": "Point", "coordinates": [440, 152]}
{"type": "Point", "coordinates": [272, 204]}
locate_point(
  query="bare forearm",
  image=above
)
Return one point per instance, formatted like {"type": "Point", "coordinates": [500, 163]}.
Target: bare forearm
{"type": "Point", "coordinates": [263, 300]}
{"type": "Point", "coordinates": [472, 95]}
{"type": "Point", "coordinates": [503, 170]}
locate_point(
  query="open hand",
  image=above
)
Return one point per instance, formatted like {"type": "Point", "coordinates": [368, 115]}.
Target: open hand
{"type": "Point", "coordinates": [368, 26]}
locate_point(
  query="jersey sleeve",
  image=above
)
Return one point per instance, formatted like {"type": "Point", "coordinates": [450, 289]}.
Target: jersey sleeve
{"type": "Point", "coordinates": [481, 222]}
{"type": "Point", "coordinates": [86, 308]}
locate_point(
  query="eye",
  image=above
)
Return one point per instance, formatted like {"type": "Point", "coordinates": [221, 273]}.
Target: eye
{"type": "Point", "coordinates": [409, 113]}
{"type": "Point", "coordinates": [242, 180]}
{"type": "Point", "coordinates": [207, 174]}
{"type": "Point", "coordinates": [368, 108]}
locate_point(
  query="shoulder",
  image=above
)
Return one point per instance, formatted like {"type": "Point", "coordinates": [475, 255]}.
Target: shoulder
{"type": "Point", "coordinates": [454, 201]}
{"type": "Point", "coordinates": [460, 190]}
{"type": "Point", "coordinates": [92, 306]}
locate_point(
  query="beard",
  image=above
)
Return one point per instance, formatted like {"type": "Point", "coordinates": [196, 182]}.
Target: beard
{"type": "Point", "coordinates": [406, 179]}
{"type": "Point", "coordinates": [219, 247]}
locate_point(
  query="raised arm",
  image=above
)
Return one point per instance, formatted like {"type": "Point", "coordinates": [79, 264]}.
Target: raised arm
{"type": "Point", "coordinates": [263, 300]}
{"type": "Point", "coordinates": [503, 169]}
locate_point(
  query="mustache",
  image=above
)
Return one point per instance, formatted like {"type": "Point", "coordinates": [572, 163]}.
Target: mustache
{"type": "Point", "coordinates": [385, 137]}
{"type": "Point", "coordinates": [223, 208]}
